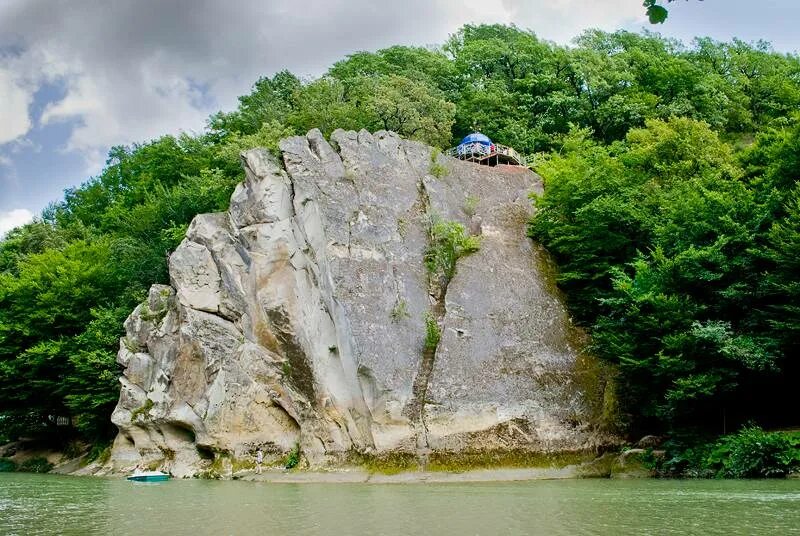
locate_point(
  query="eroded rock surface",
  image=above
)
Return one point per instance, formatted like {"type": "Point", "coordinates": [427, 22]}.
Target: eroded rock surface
{"type": "Point", "coordinates": [298, 317]}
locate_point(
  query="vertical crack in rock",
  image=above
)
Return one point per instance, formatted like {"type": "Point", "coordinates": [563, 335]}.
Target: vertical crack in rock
{"type": "Point", "coordinates": [437, 291]}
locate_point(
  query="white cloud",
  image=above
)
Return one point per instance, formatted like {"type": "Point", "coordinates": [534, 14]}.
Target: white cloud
{"type": "Point", "coordinates": [562, 20]}
{"type": "Point", "coordinates": [14, 102]}
{"type": "Point", "coordinates": [136, 69]}
{"type": "Point", "coordinates": [14, 218]}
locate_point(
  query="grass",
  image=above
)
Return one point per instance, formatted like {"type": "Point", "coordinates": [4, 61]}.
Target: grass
{"type": "Point", "coordinates": [215, 470]}
{"type": "Point", "coordinates": [432, 332]}
{"type": "Point", "coordinates": [131, 346]}
{"type": "Point", "coordinates": [470, 205]}
{"type": "Point", "coordinates": [143, 411]}
{"type": "Point", "coordinates": [387, 464]}
{"type": "Point", "coordinates": [436, 169]}
{"type": "Point", "coordinates": [153, 316]}
{"type": "Point", "coordinates": [458, 462]}
{"type": "Point", "coordinates": [242, 464]}
{"type": "Point", "coordinates": [400, 311]}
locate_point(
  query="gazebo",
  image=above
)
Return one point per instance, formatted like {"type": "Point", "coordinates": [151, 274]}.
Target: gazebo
{"type": "Point", "coordinates": [478, 148]}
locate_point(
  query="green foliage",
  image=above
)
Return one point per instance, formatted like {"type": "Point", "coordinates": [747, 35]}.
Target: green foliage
{"type": "Point", "coordinates": [326, 104]}
{"type": "Point", "coordinates": [72, 449]}
{"type": "Point", "coordinates": [749, 453]}
{"type": "Point", "coordinates": [35, 465]}
{"type": "Point", "coordinates": [432, 332]}
{"type": "Point", "coordinates": [667, 251]}
{"type": "Point", "coordinates": [437, 169]}
{"type": "Point", "coordinates": [449, 242]}
{"type": "Point", "coordinates": [292, 458]}
{"type": "Point", "coordinates": [267, 136]}
{"type": "Point", "coordinates": [415, 63]}
{"type": "Point", "coordinates": [470, 205]}
{"type": "Point", "coordinates": [411, 108]}
{"type": "Point", "coordinates": [100, 452]}
{"type": "Point", "coordinates": [754, 453]}
{"type": "Point", "coordinates": [7, 465]}
{"type": "Point", "coordinates": [69, 281]}
{"type": "Point", "coordinates": [656, 13]}
{"type": "Point", "coordinates": [269, 103]}
{"type": "Point", "coordinates": [399, 311]}
{"type": "Point", "coordinates": [142, 411]}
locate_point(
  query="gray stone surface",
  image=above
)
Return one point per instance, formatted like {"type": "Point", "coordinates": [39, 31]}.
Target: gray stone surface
{"type": "Point", "coordinates": [297, 317]}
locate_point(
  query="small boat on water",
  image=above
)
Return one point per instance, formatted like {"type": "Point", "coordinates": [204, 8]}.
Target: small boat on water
{"type": "Point", "coordinates": [149, 476]}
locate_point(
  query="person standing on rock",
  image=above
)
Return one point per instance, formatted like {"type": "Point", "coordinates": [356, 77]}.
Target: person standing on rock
{"type": "Point", "coordinates": [259, 460]}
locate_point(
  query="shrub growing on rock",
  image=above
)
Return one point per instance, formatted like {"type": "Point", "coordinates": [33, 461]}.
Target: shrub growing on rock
{"type": "Point", "coordinates": [449, 242]}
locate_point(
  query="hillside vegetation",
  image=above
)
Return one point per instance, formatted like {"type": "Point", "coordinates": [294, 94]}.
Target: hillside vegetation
{"type": "Point", "coordinates": [672, 207]}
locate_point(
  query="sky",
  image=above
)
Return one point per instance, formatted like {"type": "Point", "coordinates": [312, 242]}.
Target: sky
{"type": "Point", "coordinates": [79, 76]}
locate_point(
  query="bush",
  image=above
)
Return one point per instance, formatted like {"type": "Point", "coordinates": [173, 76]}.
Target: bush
{"type": "Point", "coordinates": [293, 458]}
{"type": "Point", "coordinates": [754, 453]}
{"type": "Point", "coordinates": [749, 453]}
{"type": "Point", "coordinates": [449, 242]}
{"type": "Point", "coordinates": [432, 332]}
{"type": "Point", "coordinates": [7, 465]}
{"type": "Point", "coordinates": [36, 465]}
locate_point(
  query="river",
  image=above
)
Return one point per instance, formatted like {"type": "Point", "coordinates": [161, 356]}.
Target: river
{"type": "Point", "coordinates": [48, 504]}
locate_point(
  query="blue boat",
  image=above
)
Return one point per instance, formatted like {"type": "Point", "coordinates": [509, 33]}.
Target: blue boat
{"type": "Point", "coordinates": [149, 476]}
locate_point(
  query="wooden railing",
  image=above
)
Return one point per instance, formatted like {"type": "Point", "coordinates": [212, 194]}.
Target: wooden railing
{"type": "Point", "coordinates": [478, 152]}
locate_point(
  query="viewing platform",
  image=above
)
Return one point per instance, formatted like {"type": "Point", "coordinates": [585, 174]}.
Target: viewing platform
{"type": "Point", "coordinates": [479, 149]}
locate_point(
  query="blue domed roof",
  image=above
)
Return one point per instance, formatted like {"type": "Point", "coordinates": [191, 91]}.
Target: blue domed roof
{"type": "Point", "coordinates": [477, 137]}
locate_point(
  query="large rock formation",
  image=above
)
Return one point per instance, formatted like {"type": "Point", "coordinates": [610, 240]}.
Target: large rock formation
{"type": "Point", "coordinates": [299, 317]}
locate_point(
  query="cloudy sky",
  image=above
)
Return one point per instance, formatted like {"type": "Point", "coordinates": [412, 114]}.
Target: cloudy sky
{"type": "Point", "coordinates": [77, 76]}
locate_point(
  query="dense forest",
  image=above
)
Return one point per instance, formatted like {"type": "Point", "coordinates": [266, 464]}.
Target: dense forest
{"type": "Point", "coordinates": [672, 207]}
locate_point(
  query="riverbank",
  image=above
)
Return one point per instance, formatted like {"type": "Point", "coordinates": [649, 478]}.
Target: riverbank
{"type": "Point", "coordinates": [438, 467]}
{"type": "Point", "coordinates": [435, 467]}
{"type": "Point", "coordinates": [362, 476]}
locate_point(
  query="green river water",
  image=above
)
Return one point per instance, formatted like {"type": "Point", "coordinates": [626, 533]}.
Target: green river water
{"type": "Point", "coordinates": [46, 504]}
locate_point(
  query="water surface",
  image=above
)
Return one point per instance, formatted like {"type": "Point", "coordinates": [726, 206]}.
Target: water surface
{"type": "Point", "coordinates": [48, 504]}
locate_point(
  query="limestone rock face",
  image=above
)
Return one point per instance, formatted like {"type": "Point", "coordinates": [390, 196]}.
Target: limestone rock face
{"type": "Point", "coordinates": [298, 318]}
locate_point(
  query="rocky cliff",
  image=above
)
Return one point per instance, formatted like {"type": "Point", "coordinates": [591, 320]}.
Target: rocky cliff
{"type": "Point", "coordinates": [298, 317]}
